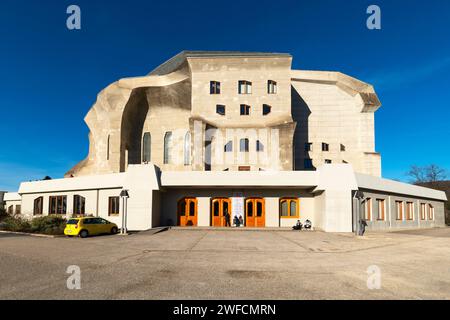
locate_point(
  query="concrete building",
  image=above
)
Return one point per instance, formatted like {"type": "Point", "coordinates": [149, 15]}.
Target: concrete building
{"type": "Point", "coordinates": [211, 133]}
{"type": "Point", "coordinates": [12, 203]}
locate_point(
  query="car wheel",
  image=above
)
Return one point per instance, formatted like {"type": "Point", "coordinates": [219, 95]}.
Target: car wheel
{"type": "Point", "coordinates": [84, 233]}
{"type": "Point", "coordinates": [114, 230]}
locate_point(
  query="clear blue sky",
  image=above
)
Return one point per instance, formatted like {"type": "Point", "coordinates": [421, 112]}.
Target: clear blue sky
{"type": "Point", "coordinates": [50, 76]}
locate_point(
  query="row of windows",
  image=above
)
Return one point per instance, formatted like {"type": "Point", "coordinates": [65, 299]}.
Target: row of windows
{"type": "Point", "coordinates": [244, 109]}
{"type": "Point", "coordinates": [167, 157]}
{"type": "Point", "coordinates": [58, 205]}
{"type": "Point", "coordinates": [244, 87]}
{"type": "Point", "coordinates": [244, 146]}
{"type": "Point", "coordinates": [11, 210]}
{"type": "Point", "coordinates": [402, 211]}
{"type": "Point", "coordinates": [325, 147]}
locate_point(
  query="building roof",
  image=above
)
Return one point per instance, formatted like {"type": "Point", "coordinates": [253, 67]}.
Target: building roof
{"type": "Point", "coordinates": [176, 61]}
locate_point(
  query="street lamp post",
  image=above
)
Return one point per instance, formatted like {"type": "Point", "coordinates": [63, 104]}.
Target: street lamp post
{"type": "Point", "coordinates": [124, 195]}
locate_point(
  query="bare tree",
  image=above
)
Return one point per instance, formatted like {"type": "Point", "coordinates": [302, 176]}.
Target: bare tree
{"type": "Point", "coordinates": [431, 173]}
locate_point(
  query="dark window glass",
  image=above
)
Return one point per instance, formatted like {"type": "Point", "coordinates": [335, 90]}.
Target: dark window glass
{"type": "Point", "coordinates": [250, 209]}
{"type": "Point", "coordinates": [266, 109]}
{"type": "Point", "coordinates": [271, 87]}
{"type": "Point", "coordinates": [114, 205]}
{"type": "Point", "coordinates": [220, 109]}
{"type": "Point", "coordinates": [325, 146]}
{"type": "Point", "coordinates": [214, 87]}
{"type": "Point", "coordinates": [192, 208]}
{"type": "Point", "coordinates": [146, 147]}
{"type": "Point", "coordinates": [308, 164]}
{"type": "Point", "coordinates": [244, 145]}
{"type": "Point", "coordinates": [79, 205]}
{"type": "Point", "coordinates": [245, 110]}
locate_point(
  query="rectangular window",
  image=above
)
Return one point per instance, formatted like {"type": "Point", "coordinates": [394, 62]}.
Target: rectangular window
{"type": "Point", "coordinates": [214, 87]}
{"type": "Point", "coordinates": [328, 161]}
{"type": "Point", "coordinates": [38, 206]}
{"type": "Point", "coordinates": [114, 206]}
{"type": "Point", "coordinates": [271, 87]}
{"type": "Point", "coordinates": [325, 146]}
{"type": "Point", "coordinates": [409, 211]}
{"type": "Point", "coordinates": [399, 209]}
{"type": "Point", "coordinates": [368, 211]}
{"type": "Point", "coordinates": [18, 208]}
{"type": "Point", "coordinates": [245, 110]}
{"type": "Point", "coordinates": [381, 209]}
{"type": "Point", "coordinates": [245, 87]}
{"type": "Point", "coordinates": [289, 208]}
{"type": "Point", "coordinates": [308, 164]}
{"type": "Point", "coordinates": [308, 146]}
{"type": "Point", "coordinates": [57, 205]}
{"type": "Point", "coordinates": [430, 212]}
{"type": "Point", "coordinates": [10, 210]}
{"type": "Point", "coordinates": [259, 146]}
{"type": "Point", "coordinates": [220, 109]}
{"type": "Point", "coordinates": [342, 147]}
{"type": "Point", "coordinates": [423, 208]}
{"type": "Point", "coordinates": [244, 145]}
{"type": "Point", "coordinates": [79, 205]}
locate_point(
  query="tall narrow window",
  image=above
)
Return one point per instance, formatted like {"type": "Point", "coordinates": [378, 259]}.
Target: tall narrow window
{"type": "Point", "coordinates": [79, 204]}
{"type": "Point", "coordinates": [167, 147]}
{"type": "Point", "coordinates": [245, 87]}
{"type": "Point", "coordinates": [399, 209]}
{"type": "Point", "coordinates": [108, 146]}
{"type": "Point", "coordinates": [368, 215]}
{"type": "Point", "coordinates": [146, 147]}
{"type": "Point", "coordinates": [57, 205]}
{"type": "Point", "coordinates": [10, 209]}
{"type": "Point", "coordinates": [409, 211]}
{"type": "Point", "coordinates": [38, 206]}
{"type": "Point", "coordinates": [187, 149]}
{"type": "Point", "coordinates": [245, 110]}
{"type": "Point", "coordinates": [381, 209]}
{"type": "Point", "coordinates": [325, 146]}
{"type": "Point", "coordinates": [18, 208]}
{"type": "Point", "coordinates": [228, 147]}
{"type": "Point", "coordinates": [271, 87]}
{"type": "Point", "coordinates": [214, 87]}
{"type": "Point", "coordinates": [244, 145]}
{"type": "Point", "coordinates": [430, 212]}
{"type": "Point", "coordinates": [423, 208]}
{"type": "Point", "coordinates": [259, 146]}
{"type": "Point", "coordinates": [114, 206]}
{"type": "Point", "coordinates": [266, 109]}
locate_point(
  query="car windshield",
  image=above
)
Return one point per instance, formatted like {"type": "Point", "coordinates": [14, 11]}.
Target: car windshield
{"type": "Point", "coordinates": [72, 221]}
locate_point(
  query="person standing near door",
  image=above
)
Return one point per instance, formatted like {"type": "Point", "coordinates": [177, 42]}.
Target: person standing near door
{"type": "Point", "coordinates": [227, 218]}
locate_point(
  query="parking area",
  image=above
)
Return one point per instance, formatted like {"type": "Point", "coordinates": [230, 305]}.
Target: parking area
{"type": "Point", "coordinates": [220, 264]}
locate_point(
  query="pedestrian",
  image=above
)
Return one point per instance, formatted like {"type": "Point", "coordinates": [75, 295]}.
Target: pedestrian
{"type": "Point", "coordinates": [227, 219]}
{"type": "Point", "coordinates": [236, 221]}
{"type": "Point", "coordinates": [362, 227]}
{"type": "Point", "coordinates": [241, 221]}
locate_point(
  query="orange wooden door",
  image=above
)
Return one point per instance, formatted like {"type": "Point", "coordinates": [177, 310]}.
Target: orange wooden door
{"type": "Point", "coordinates": [220, 207]}
{"type": "Point", "coordinates": [255, 215]}
{"type": "Point", "coordinates": [187, 212]}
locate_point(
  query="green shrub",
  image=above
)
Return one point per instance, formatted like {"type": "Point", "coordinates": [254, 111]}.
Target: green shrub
{"type": "Point", "coordinates": [53, 225]}
{"type": "Point", "coordinates": [15, 224]}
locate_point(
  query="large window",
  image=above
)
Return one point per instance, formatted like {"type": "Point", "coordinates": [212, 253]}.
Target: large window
{"type": "Point", "coordinates": [79, 203]}
{"type": "Point", "coordinates": [146, 147]}
{"type": "Point", "coordinates": [289, 208]}
{"type": "Point", "coordinates": [167, 147]}
{"type": "Point", "coordinates": [244, 145]}
{"type": "Point", "coordinates": [114, 206]}
{"type": "Point", "coordinates": [430, 212]}
{"type": "Point", "coordinates": [57, 205]}
{"type": "Point", "coordinates": [187, 149]}
{"type": "Point", "coordinates": [214, 87]}
{"type": "Point", "coordinates": [409, 211]}
{"type": "Point", "coordinates": [271, 87]}
{"type": "Point", "coordinates": [245, 87]}
{"type": "Point", "coordinates": [245, 110]}
{"type": "Point", "coordinates": [399, 209]}
{"type": "Point", "coordinates": [381, 209]}
{"type": "Point", "coordinates": [38, 206]}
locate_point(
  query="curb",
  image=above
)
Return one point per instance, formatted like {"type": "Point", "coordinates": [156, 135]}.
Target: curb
{"type": "Point", "coordinates": [32, 234]}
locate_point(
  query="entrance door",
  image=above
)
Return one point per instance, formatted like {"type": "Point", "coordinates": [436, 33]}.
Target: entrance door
{"type": "Point", "coordinates": [255, 212]}
{"type": "Point", "coordinates": [187, 212]}
{"type": "Point", "coordinates": [219, 208]}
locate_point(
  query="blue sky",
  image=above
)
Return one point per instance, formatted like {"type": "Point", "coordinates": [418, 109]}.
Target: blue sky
{"type": "Point", "coordinates": [50, 76]}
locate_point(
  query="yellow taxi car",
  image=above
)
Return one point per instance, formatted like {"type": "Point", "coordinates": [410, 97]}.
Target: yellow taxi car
{"type": "Point", "coordinates": [89, 226]}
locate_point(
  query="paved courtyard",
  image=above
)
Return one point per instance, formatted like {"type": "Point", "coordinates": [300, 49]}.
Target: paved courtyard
{"type": "Point", "coordinates": [217, 264]}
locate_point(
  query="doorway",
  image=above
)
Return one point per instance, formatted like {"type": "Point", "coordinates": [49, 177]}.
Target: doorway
{"type": "Point", "coordinates": [255, 212]}
{"type": "Point", "coordinates": [187, 212]}
{"type": "Point", "coordinates": [219, 208]}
